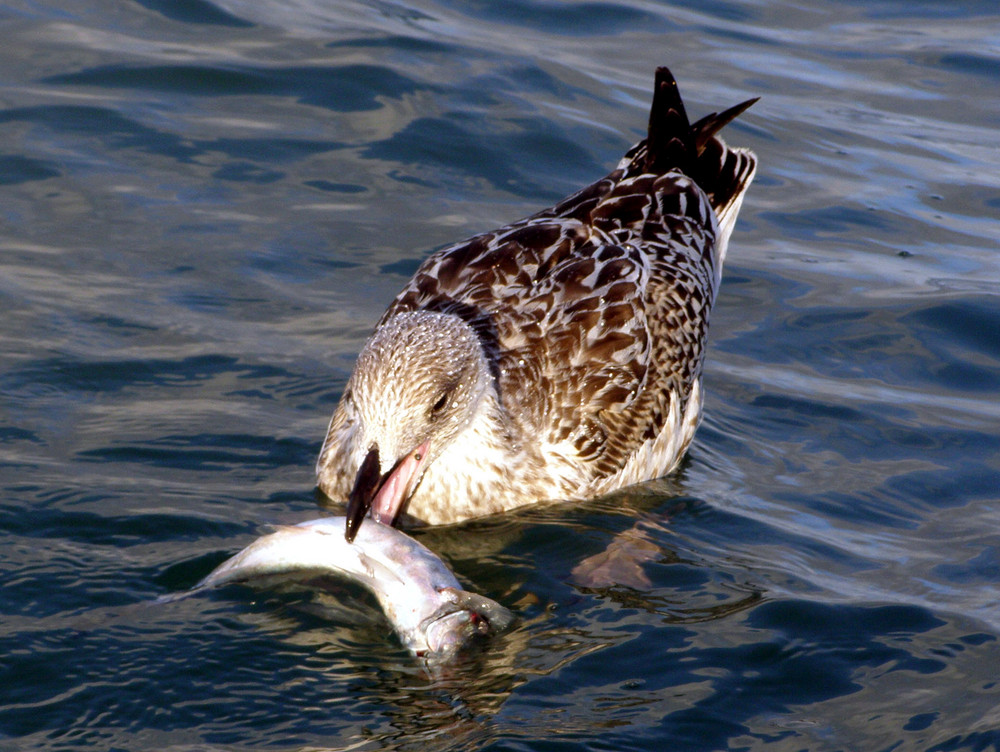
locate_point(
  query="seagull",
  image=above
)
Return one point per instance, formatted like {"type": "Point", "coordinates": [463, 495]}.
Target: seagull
{"type": "Point", "coordinates": [558, 357]}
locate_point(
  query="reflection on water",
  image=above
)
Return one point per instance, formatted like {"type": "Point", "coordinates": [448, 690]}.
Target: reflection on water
{"type": "Point", "coordinates": [206, 205]}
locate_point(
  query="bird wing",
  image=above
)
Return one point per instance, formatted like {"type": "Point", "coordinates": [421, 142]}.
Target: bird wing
{"type": "Point", "coordinates": [594, 312]}
{"type": "Point", "coordinates": [576, 307]}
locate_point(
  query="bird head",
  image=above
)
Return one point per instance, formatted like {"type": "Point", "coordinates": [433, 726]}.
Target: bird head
{"type": "Point", "coordinates": [417, 385]}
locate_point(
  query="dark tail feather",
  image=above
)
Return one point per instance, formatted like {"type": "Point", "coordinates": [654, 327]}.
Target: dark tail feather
{"type": "Point", "coordinates": [696, 150]}
{"type": "Point", "coordinates": [672, 142]}
{"type": "Point", "coordinates": [708, 126]}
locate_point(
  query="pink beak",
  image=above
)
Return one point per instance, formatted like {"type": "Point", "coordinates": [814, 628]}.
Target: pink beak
{"type": "Point", "coordinates": [383, 495]}
{"type": "Point", "coordinates": [397, 487]}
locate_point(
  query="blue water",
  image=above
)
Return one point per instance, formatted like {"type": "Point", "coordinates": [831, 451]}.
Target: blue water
{"type": "Point", "coordinates": [205, 206]}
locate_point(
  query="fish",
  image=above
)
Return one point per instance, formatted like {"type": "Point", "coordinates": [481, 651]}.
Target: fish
{"type": "Point", "coordinates": [433, 616]}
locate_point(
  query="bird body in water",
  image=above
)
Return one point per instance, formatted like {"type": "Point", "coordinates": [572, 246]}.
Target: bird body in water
{"type": "Point", "coordinates": [558, 357]}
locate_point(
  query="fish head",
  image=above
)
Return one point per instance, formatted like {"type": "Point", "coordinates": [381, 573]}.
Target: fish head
{"type": "Point", "coordinates": [462, 620]}
{"type": "Point", "coordinates": [447, 634]}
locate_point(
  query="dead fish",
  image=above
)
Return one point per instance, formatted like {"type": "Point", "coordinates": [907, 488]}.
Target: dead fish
{"type": "Point", "coordinates": [433, 616]}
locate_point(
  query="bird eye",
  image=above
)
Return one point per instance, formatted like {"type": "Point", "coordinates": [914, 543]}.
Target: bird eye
{"type": "Point", "coordinates": [441, 403]}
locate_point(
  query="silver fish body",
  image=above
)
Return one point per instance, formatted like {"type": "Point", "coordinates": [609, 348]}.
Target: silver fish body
{"type": "Point", "coordinates": [419, 595]}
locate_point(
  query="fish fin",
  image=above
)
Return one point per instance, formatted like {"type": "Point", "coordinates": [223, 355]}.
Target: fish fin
{"type": "Point", "coordinates": [278, 528]}
{"type": "Point", "coordinates": [178, 596]}
{"type": "Point", "coordinates": [373, 566]}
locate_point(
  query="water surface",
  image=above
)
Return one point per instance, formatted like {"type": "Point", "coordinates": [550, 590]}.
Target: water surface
{"type": "Point", "coordinates": [205, 208]}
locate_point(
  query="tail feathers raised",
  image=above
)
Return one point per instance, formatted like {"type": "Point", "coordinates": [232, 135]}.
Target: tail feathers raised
{"type": "Point", "coordinates": [696, 150]}
{"type": "Point", "coordinates": [670, 140]}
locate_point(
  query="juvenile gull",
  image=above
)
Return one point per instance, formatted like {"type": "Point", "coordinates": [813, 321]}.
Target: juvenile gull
{"type": "Point", "coordinates": [558, 357]}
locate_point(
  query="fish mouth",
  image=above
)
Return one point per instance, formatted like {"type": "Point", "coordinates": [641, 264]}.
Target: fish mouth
{"type": "Point", "coordinates": [383, 495]}
{"type": "Point", "coordinates": [460, 621]}
{"type": "Point", "coordinates": [450, 629]}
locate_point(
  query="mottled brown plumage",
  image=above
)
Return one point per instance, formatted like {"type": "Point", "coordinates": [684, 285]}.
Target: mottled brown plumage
{"type": "Point", "coordinates": [558, 357]}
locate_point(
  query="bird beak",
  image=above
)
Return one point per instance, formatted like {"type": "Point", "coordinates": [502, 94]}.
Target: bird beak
{"type": "Point", "coordinates": [366, 485]}
{"type": "Point", "coordinates": [383, 495]}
